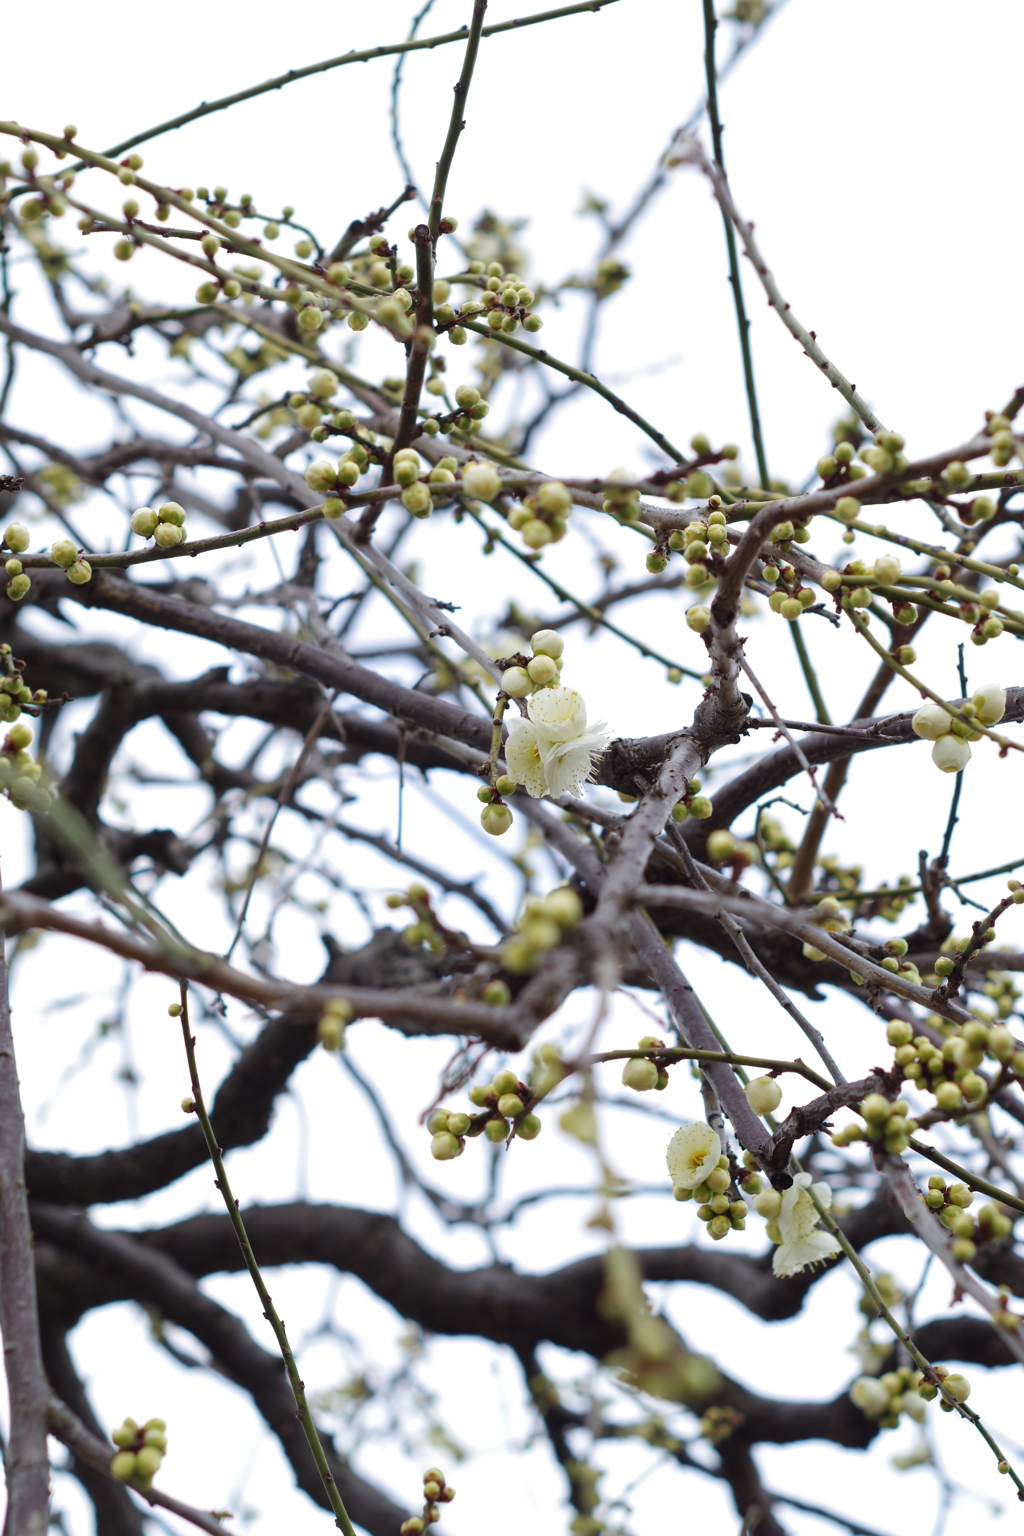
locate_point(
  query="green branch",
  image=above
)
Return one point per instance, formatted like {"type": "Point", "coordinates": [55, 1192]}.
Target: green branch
{"type": "Point", "coordinates": [302, 1412]}
{"type": "Point", "coordinates": [540, 355]}
{"type": "Point", "coordinates": [456, 123]}
{"type": "Point", "coordinates": [362, 57]}
{"type": "Point", "coordinates": [742, 322]}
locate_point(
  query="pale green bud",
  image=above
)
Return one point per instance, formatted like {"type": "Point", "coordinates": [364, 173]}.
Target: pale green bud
{"type": "Point", "coordinates": [763, 1095]}
{"type": "Point", "coordinates": [144, 522]}
{"type": "Point", "coordinates": [542, 669]}
{"type": "Point", "coordinates": [80, 572]}
{"type": "Point", "coordinates": [17, 537]}
{"type": "Point", "coordinates": [547, 642]}
{"type": "Point", "coordinates": [516, 682]}
{"type": "Point", "coordinates": [416, 499]}
{"type": "Point", "coordinates": [639, 1074]}
{"type": "Point", "coordinates": [496, 819]}
{"type": "Point", "coordinates": [481, 481]}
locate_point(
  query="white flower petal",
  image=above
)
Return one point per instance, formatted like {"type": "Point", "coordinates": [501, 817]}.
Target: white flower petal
{"type": "Point", "coordinates": [523, 758]}
{"type": "Point", "coordinates": [568, 764]}
{"type": "Point", "coordinates": [558, 713]}
{"type": "Point", "coordinates": [692, 1153]}
{"type": "Point", "coordinates": [803, 1242]}
{"type": "Point", "coordinates": [791, 1257]}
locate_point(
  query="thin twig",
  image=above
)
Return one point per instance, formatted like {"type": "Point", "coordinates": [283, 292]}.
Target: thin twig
{"type": "Point", "coordinates": [302, 1412]}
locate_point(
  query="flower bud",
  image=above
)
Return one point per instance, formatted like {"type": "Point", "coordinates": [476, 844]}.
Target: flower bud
{"type": "Point", "coordinates": [416, 499]}
{"type": "Point", "coordinates": [554, 497]}
{"type": "Point", "coordinates": [698, 618]}
{"type": "Point", "coordinates": [950, 754]}
{"type": "Point", "coordinates": [167, 536]}
{"type": "Point", "coordinates": [701, 807]}
{"type": "Point", "coordinates": [721, 846]}
{"type": "Point", "coordinates": [536, 534]}
{"type": "Point", "coordinates": [542, 669]}
{"type": "Point", "coordinates": [763, 1094]}
{"type": "Point", "coordinates": [17, 587]}
{"type": "Point", "coordinates": [516, 682]}
{"type": "Point", "coordinates": [639, 1074]}
{"type": "Point", "coordinates": [321, 477]}
{"type": "Point", "coordinates": [496, 1130]}
{"type": "Point", "coordinates": [948, 1096]}
{"type": "Point", "coordinates": [444, 1146]}
{"type": "Point", "coordinates": [990, 703]}
{"type": "Point", "coordinates": [80, 572]}
{"type": "Point", "coordinates": [496, 819]}
{"type": "Point", "coordinates": [123, 1465]}
{"type": "Point", "coordinates": [848, 509]}
{"type": "Point", "coordinates": [63, 553]}
{"type": "Point", "coordinates": [17, 538]}
{"type": "Point", "coordinates": [887, 569]}
{"type": "Point", "coordinates": [957, 1386]}
{"type": "Point", "coordinates": [144, 522]}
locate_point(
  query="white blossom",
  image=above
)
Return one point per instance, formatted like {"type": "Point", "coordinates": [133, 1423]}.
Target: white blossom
{"type": "Point", "coordinates": [552, 751]}
{"type": "Point", "coordinates": [692, 1153]}
{"type": "Point", "coordinates": [803, 1241]}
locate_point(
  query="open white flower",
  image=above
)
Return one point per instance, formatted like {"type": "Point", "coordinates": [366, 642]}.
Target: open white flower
{"type": "Point", "coordinates": [552, 752]}
{"type": "Point", "coordinates": [692, 1153]}
{"type": "Point", "coordinates": [803, 1241]}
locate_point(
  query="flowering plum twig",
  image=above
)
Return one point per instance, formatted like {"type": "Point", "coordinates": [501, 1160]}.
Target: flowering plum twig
{"type": "Point", "coordinates": [869, 1283]}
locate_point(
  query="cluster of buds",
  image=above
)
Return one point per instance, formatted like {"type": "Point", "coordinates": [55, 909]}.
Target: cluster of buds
{"type": "Point", "coordinates": [951, 737]}
{"type": "Point", "coordinates": [418, 493]}
{"type": "Point", "coordinates": [949, 1070]}
{"type": "Point", "coordinates": [310, 408]}
{"type": "Point", "coordinates": [140, 1451]}
{"type": "Point", "coordinates": [1004, 444]}
{"type": "Point", "coordinates": [541, 927]}
{"type": "Point", "coordinates": [14, 692]}
{"type": "Point", "coordinates": [642, 1073]}
{"type": "Point", "coordinates": [958, 1387]}
{"type": "Point", "coordinates": [496, 817]}
{"type": "Point", "coordinates": [470, 407]}
{"type": "Point", "coordinates": [17, 539]}
{"type": "Point", "coordinates": [505, 1110]}
{"type": "Point", "coordinates": [718, 1203]}
{"type": "Point", "coordinates": [885, 455]}
{"type": "Point", "coordinates": [165, 526]}
{"type": "Point", "coordinates": [524, 675]}
{"type": "Point", "coordinates": [723, 847]}
{"type": "Point", "coordinates": [693, 803]}
{"type": "Point", "coordinates": [885, 1122]}
{"type": "Point", "coordinates": [700, 541]}
{"type": "Point", "coordinates": [542, 517]}
{"type": "Point", "coordinates": [885, 1397]}
{"type": "Point", "coordinates": [330, 1029]}
{"type": "Point", "coordinates": [426, 930]}
{"type": "Point", "coordinates": [324, 478]}
{"type": "Point", "coordinates": [788, 597]}
{"type": "Point", "coordinates": [20, 773]}
{"type": "Point", "coordinates": [435, 1492]}
{"type": "Point", "coordinates": [950, 1203]}
{"type": "Point", "coordinates": [506, 301]}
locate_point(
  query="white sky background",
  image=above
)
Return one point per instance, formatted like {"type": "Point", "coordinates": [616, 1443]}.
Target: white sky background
{"type": "Point", "coordinates": [872, 146]}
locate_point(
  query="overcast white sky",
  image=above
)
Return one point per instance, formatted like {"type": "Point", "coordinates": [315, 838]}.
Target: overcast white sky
{"type": "Point", "coordinates": [874, 147]}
